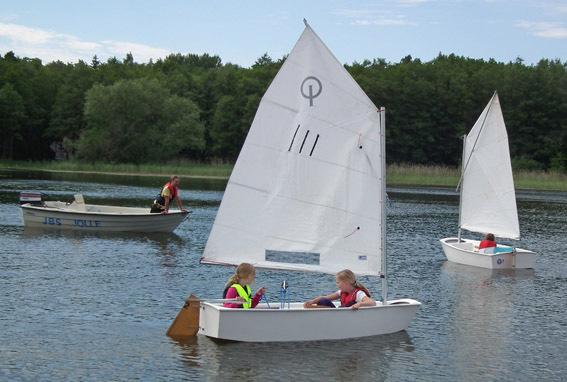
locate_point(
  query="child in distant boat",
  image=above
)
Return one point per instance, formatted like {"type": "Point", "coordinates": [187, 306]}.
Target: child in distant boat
{"type": "Point", "coordinates": [351, 293]}
{"type": "Point", "coordinates": [488, 244]}
{"type": "Point", "coordinates": [238, 286]}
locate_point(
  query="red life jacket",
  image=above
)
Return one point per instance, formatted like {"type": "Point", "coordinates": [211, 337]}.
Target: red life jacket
{"type": "Point", "coordinates": [487, 244]}
{"type": "Point", "coordinates": [349, 299]}
{"type": "Point", "coordinates": [172, 190]}
{"type": "Point", "coordinates": [160, 199]}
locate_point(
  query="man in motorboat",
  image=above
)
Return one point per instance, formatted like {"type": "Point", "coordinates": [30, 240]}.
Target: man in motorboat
{"type": "Point", "coordinates": [169, 192]}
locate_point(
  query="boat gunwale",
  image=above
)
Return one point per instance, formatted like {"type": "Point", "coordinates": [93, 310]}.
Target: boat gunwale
{"type": "Point", "coordinates": [391, 304]}
{"type": "Point", "coordinates": [28, 206]}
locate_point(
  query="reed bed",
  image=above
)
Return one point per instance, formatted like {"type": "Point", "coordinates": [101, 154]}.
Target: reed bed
{"type": "Point", "coordinates": [398, 174]}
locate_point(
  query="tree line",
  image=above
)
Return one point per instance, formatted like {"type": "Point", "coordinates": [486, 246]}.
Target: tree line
{"type": "Point", "coordinates": [196, 107]}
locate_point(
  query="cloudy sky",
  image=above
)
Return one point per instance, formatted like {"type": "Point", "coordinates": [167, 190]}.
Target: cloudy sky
{"type": "Point", "coordinates": [240, 31]}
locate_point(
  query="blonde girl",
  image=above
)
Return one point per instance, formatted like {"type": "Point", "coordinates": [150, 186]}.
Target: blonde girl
{"type": "Point", "coordinates": [351, 293]}
{"type": "Point", "coordinates": [238, 286]}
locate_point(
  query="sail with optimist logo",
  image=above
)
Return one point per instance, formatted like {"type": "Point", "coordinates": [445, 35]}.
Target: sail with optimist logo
{"type": "Point", "coordinates": [306, 192]}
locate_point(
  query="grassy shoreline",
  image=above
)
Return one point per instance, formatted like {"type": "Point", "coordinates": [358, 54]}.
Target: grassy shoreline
{"type": "Point", "coordinates": [186, 169]}
{"type": "Point", "coordinates": [398, 174]}
{"type": "Point", "coordinates": [442, 176]}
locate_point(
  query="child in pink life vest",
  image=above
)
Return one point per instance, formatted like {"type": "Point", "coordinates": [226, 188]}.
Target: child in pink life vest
{"type": "Point", "coordinates": [351, 293]}
{"type": "Point", "coordinates": [238, 286]}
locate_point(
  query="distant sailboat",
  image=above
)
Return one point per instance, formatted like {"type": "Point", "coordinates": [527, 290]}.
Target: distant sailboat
{"type": "Point", "coordinates": [306, 194]}
{"type": "Point", "coordinates": [487, 196]}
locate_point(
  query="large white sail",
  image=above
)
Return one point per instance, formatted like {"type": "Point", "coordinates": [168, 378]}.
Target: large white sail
{"type": "Point", "coordinates": [305, 191]}
{"type": "Point", "coordinates": [488, 199]}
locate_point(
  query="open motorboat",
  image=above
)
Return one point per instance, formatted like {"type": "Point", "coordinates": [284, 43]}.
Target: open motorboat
{"type": "Point", "coordinates": [90, 217]}
{"type": "Point", "coordinates": [487, 197]}
{"type": "Point", "coordinates": [307, 193]}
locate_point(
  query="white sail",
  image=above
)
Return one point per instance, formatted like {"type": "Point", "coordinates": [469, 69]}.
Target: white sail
{"type": "Point", "coordinates": [488, 199]}
{"type": "Point", "coordinates": [305, 191]}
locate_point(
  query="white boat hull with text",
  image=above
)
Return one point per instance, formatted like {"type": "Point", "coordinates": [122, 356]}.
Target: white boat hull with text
{"type": "Point", "coordinates": [88, 217]}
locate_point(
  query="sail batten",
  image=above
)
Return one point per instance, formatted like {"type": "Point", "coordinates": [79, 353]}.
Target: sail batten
{"type": "Point", "coordinates": [277, 149]}
{"type": "Point", "coordinates": [488, 200]}
{"type": "Point", "coordinates": [307, 180]}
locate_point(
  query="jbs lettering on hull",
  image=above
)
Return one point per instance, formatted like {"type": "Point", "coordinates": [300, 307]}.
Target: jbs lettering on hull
{"type": "Point", "coordinates": [51, 220]}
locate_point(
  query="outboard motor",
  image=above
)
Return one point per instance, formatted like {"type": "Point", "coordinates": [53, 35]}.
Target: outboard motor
{"type": "Point", "coordinates": [31, 197]}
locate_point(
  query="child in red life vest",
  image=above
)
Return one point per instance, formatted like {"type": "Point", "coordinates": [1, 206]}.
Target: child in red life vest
{"type": "Point", "coordinates": [488, 243]}
{"type": "Point", "coordinates": [238, 286]}
{"type": "Point", "coordinates": [351, 294]}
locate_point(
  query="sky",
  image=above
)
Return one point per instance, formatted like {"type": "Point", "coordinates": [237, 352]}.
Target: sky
{"type": "Point", "coordinates": [241, 31]}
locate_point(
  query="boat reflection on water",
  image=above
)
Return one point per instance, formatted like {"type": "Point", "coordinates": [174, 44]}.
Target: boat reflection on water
{"type": "Point", "coordinates": [465, 274]}
{"type": "Point", "coordinates": [166, 245]}
{"type": "Point", "coordinates": [354, 359]}
{"type": "Point", "coordinates": [156, 237]}
{"type": "Point", "coordinates": [483, 313]}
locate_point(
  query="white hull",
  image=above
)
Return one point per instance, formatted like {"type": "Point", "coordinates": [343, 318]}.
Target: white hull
{"type": "Point", "coordinates": [88, 217]}
{"type": "Point", "coordinates": [298, 324]}
{"type": "Point", "coordinates": [463, 253]}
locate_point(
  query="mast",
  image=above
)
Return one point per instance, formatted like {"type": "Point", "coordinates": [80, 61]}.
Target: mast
{"type": "Point", "coordinates": [383, 196]}
{"type": "Point", "coordinates": [459, 187]}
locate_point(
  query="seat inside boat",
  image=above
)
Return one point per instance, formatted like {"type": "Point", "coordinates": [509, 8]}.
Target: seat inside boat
{"type": "Point", "coordinates": [466, 246]}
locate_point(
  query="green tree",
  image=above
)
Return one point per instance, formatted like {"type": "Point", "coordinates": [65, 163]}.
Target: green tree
{"type": "Point", "coordinates": [138, 121]}
{"type": "Point", "coordinates": [67, 115]}
{"type": "Point", "coordinates": [12, 117]}
{"type": "Point", "coordinates": [430, 105]}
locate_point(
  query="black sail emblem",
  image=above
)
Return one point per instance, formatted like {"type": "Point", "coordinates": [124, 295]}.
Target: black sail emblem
{"type": "Point", "coordinates": [311, 88]}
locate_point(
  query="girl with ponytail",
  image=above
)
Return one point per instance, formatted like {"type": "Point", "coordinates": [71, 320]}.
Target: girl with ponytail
{"type": "Point", "coordinates": [351, 294]}
{"type": "Point", "coordinates": [238, 287]}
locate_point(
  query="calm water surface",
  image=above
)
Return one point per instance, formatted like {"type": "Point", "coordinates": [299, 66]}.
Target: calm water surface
{"type": "Point", "coordinates": [80, 306]}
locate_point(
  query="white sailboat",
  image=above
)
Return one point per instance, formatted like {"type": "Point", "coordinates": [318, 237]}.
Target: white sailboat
{"type": "Point", "coordinates": [487, 196]}
{"type": "Point", "coordinates": [307, 193]}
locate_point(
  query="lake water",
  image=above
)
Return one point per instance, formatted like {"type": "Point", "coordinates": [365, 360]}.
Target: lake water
{"type": "Point", "coordinates": [80, 306]}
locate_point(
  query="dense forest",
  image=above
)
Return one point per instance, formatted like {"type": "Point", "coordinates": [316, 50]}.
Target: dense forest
{"type": "Point", "coordinates": [198, 108]}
